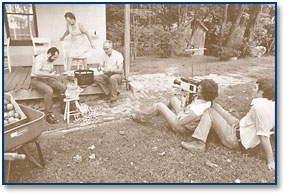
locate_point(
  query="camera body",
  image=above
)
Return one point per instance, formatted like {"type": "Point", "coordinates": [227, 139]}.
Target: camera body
{"type": "Point", "coordinates": [188, 84]}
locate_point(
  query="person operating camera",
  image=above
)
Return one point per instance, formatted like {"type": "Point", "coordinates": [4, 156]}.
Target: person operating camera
{"type": "Point", "coordinates": [181, 118]}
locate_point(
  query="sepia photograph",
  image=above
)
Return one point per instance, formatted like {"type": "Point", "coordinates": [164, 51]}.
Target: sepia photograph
{"type": "Point", "coordinates": [139, 93]}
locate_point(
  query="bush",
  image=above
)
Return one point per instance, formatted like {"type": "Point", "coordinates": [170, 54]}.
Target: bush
{"type": "Point", "coordinates": [225, 53]}
{"type": "Point", "coordinates": [162, 45]}
{"type": "Point", "coordinates": [244, 49]}
{"type": "Point", "coordinates": [213, 50]}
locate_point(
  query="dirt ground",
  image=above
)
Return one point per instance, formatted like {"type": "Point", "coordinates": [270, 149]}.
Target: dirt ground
{"type": "Point", "coordinates": [114, 149]}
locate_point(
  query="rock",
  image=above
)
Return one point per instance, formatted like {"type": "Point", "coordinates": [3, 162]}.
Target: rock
{"type": "Point", "coordinates": [91, 147]}
{"type": "Point", "coordinates": [77, 158]}
{"type": "Point", "coordinates": [92, 156]}
{"type": "Point", "coordinates": [212, 165]}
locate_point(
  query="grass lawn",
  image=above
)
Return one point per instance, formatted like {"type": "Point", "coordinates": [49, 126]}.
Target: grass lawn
{"type": "Point", "coordinates": [127, 152]}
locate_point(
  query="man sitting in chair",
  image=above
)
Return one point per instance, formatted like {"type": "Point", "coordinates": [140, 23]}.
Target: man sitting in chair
{"type": "Point", "coordinates": [44, 79]}
{"type": "Point", "coordinates": [111, 64]}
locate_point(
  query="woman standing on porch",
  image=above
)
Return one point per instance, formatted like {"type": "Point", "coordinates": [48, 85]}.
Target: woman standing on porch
{"type": "Point", "coordinates": [79, 49]}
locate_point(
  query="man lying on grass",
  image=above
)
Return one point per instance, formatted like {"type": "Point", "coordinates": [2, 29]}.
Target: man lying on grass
{"type": "Point", "coordinates": [183, 119]}
{"type": "Point", "coordinates": [255, 127]}
{"type": "Point", "coordinates": [202, 115]}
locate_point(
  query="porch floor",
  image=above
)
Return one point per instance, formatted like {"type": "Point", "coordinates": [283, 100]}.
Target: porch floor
{"type": "Point", "coordinates": [18, 83]}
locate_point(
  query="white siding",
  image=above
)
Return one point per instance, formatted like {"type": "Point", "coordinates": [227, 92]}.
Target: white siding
{"type": "Point", "coordinates": [51, 24]}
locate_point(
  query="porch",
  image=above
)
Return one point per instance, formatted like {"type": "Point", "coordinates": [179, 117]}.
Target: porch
{"type": "Point", "coordinates": [18, 83]}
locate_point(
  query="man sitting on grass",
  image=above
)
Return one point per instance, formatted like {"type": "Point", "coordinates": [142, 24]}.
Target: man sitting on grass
{"type": "Point", "coordinates": [255, 127]}
{"type": "Point", "coordinates": [183, 119]}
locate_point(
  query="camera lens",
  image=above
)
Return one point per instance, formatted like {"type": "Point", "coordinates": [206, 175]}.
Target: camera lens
{"type": "Point", "coordinates": [178, 82]}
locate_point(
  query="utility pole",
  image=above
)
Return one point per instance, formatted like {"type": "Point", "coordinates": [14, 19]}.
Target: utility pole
{"type": "Point", "coordinates": [127, 41]}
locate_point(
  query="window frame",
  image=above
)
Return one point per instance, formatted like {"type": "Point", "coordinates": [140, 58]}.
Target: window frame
{"type": "Point", "coordinates": [6, 23]}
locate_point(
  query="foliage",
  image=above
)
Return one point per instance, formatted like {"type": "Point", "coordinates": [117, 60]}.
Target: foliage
{"type": "Point", "coordinates": [160, 28]}
{"type": "Point", "coordinates": [115, 22]}
{"type": "Point", "coordinates": [244, 49]}
{"type": "Point", "coordinates": [265, 32]}
{"type": "Point", "coordinates": [158, 41]}
{"type": "Point", "coordinates": [226, 53]}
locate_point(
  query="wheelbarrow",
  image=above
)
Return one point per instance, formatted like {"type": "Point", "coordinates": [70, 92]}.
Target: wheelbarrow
{"type": "Point", "coordinates": [15, 140]}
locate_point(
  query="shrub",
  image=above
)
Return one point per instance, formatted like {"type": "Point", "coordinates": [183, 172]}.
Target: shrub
{"type": "Point", "coordinates": [213, 50]}
{"type": "Point", "coordinates": [225, 53]}
{"type": "Point", "coordinates": [244, 49]}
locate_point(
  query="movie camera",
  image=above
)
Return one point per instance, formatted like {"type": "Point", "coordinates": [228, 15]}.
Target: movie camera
{"type": "Point", "coordinates": [190, 85]}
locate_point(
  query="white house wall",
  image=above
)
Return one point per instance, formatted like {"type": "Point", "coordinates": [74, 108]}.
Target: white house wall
{"type": "Point", "coordinates": [51, 24]}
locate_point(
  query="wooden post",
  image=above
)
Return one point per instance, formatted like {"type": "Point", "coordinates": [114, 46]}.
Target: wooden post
{"type": "Point", "coordinates": [127, 41]}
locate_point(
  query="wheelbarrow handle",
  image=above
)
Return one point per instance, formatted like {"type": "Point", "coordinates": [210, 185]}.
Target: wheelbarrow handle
{"type": "Point", "coordinates": [14, 156]}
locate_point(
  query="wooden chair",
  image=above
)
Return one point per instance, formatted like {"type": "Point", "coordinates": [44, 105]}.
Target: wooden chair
{"type": "Point", "coordinates": [40, 45]}
{"type": "Point", "coordinates": [7, 60]}
{"type": "Point", "coordinates": [77, 61]}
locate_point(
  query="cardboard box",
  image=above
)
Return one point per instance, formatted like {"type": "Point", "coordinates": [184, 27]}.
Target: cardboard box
{"type": "Point", "coordinates": [17, 109]}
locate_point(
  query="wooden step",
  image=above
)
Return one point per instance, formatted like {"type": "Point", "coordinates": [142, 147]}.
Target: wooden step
{"type": "Point", "coordinates": [34, 94]}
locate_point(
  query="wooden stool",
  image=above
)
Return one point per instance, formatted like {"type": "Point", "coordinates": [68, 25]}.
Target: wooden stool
{"type": "Point", "coordinates": [67, 112]}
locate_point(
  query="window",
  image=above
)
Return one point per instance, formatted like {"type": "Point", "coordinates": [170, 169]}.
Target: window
{"type": "Point", "coordinates": [20, 23]}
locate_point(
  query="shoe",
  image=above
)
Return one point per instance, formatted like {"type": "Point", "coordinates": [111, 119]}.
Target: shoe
{"type": "Point", "coordinates": [138, 118]}
{"type": "Point", "coordinates": [195, 145]}
{"type": "Point", "coordinates": [50, 118]}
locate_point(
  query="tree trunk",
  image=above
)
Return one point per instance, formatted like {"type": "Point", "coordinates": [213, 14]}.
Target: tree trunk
{"type": "Point", "coordinates": [224, 22]}
{"type": "Point", "coordinates": [255, 9]}
{"type": "Point", "coordinates": [235, 25]}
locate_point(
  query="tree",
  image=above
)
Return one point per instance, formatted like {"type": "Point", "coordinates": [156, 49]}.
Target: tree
{"type": "Point", "coordinates": [223, 25]}
{"type": "Point", "coordinates": [254, 11]}
{"type": "Point", "coordinates": [235, 25]}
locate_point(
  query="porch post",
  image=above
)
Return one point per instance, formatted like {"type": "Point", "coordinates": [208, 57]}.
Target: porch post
{"type": "Point", "coordinates": [127, 40]}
